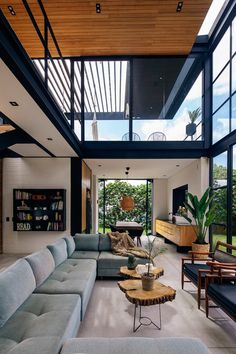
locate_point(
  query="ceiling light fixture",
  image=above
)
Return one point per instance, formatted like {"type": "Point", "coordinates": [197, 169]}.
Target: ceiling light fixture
{"type": "Point", "coordinates": [14, 103]}
{"type": "Point", "coordinates": [50, 139]}
{"type": "Point", "coordinates": [11, 10]}
{"type": "Point", "coordinates": [179, 6]}
{"type": "Point", "coordinates": [98, 8]}
{"type": "Point", "coordinates": [127, 202]}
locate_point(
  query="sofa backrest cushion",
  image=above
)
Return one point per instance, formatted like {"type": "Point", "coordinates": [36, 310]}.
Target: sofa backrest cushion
{"type": "Point", "coordinates": [70, 243]}
{"type": "Point", "coordinates": [17, 283]}
{"type": "Point", "coordinates": [59, 251]}
{"type": "Point", "coordinates": [224, 257]}
{"type": "Point", "coordinates": [86, 242]}
{"type": "Point", "coordinates": [104, 242]}
{"type": "Point", "coordinates": [42, 264]}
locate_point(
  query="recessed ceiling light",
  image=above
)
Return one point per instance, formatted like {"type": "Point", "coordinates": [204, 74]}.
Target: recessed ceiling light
{"type": "Point", "coordinates": [177, 165]}
{"type": "Point", "coordinates": [179, 6]}
{"type": "Point", "coordinates": [11, 10]}
{"type": "Point", "coordinates": [163, 175]}
{"type": "Point", "coordinates": [98, 8]}
{"type": "Point", "coordinates": [99, 165]}
{"type": "Point", "coordinates": [50, 139]}
{"type": "Point", "coordinates": [14, 103]}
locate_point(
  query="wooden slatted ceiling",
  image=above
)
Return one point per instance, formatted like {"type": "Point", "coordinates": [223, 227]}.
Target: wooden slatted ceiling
{"type": "Point", "coordinates": [124, 27]}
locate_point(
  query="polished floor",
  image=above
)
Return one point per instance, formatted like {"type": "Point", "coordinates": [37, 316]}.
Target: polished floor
{"type": "Point", "coordinates": [109, 314]}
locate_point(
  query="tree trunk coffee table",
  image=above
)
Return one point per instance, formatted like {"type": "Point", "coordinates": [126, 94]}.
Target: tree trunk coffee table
{"type": "Point", "coordinates": [139, 297]}
{"type": "Point", "coordinates": [132, 274]}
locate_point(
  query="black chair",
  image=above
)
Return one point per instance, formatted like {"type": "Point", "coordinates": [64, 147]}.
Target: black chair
{"type": "Point", "coordinates": [137, 232]}
{"type": "Point", "coordinates": [113, 227]}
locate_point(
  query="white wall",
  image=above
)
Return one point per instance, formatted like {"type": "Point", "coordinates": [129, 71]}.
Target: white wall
{"type": "Point", "coordinates": [196, 175]}
{"type": "Point", "coordinates": [32, 173]}
{"type": "Point", "coordinates": [159, 194]}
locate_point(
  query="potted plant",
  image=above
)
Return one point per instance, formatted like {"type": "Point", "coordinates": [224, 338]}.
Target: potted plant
{"type": "Point", "coordinates": [148, 277]}
{"type": "Point", "coordinates": [203, 216]}
{"type": "Point", "coordinates": [131, 263]}
{"type": "Point", "coordinates": [191, 127]}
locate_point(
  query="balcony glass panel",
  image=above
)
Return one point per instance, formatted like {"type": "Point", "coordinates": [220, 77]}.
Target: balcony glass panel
{"type": "Point", "coordinates": [220, 123]}
{"type": "Point", "coordinates": [221, 54]}
{"type": "Point", "coordinates": [106, 100]}
{"type": "Point", "coordinates": [221, 89]}
{"type": "Point", "coordinates": [151, 119]}
{"type": "Point", "coordinates": [233, 71]}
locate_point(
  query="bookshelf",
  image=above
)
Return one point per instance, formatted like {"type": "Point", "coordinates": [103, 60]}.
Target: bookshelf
{"type": "Point", "coordinates": [39, 209]}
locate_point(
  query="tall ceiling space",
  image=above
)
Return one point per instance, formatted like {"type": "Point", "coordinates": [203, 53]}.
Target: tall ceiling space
{"type": "Point", "coordinates": [133, 27]}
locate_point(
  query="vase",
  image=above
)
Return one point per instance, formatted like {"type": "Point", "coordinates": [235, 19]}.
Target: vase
{"type": "Point", "coordinates": [197, 247]}
{"type": "Point", "coordinates": [148, 281]}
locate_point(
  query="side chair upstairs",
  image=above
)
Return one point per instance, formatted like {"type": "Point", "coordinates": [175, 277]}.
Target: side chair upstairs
{"type": "Point", "coordinates": [196, 269]}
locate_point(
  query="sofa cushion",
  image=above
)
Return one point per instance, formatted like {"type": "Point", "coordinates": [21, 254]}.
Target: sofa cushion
{"type": "Point", "coordinates": [74, 276]}
{"type": "Point", "coordinates": [225, 296]}
{"type": "Point", "coordinates": [70, 245]}
{"type": "Point", "coordinates": [104, 242]}
{"type": "Point", "coordinates": [42, 264]}
{"type": "Point", "coordinates": [224, 257]}
{"type": "Point", "coordinates": [86, 242]}
{"type": "Point", "coordinates": [50, 317]}
{"type": "Point", "coordinates": [110, 260]}
{"type": "Point", "coordinates": [17, 282]}
{"type": "Point", "coordinates": [85, 255]}
{"type": "Point", "coordinates": [59, 251]}
{"type": "Point", "coordinates": [191, 270]}
{"type": "Point", "coordinates": [134, 346]}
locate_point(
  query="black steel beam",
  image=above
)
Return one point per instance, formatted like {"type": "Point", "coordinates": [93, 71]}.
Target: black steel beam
{"type": "Point", "coordinates": [15, 57]}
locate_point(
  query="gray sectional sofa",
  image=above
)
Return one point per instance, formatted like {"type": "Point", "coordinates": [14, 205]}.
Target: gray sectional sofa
{"type": "Point", "coordinates": [44, 296]}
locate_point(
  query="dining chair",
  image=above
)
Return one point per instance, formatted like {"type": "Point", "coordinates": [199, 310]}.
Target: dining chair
{"type": "Point", "coordinates": [135, 137]}
{"type": "Point", "coordinates": [157, 136]}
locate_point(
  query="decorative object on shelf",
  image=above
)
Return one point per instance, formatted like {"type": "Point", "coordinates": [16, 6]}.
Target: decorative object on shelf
{"type": "Point", "coordinates": [127, 202]}
{"type": "Point", "coordinates": [203, 214]}
{"type": "Point", "coordinates": [131, 263]}
{"type": "Point", "coordinates": [39, 210]}
{"type": "Point", "coordinates": [193, 116]}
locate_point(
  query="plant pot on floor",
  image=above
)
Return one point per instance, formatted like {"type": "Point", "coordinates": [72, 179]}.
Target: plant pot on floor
{"type": "Point", "coordinates": [197, 247]}
{"type": "Point", "coordinates": [148, 281]}
{"type": "Point", "coordinates": [191, 129]}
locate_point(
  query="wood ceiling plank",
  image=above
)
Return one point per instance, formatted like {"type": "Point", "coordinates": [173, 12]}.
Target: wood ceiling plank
{"type": "Point", "coordinates": [123, 27]}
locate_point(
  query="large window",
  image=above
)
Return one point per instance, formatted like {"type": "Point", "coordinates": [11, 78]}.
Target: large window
{"type": "Point", "coordinates": [224, 85]}
{"type": "Point", "coordinates": [234, 197]}
{"type": "Point", "coordinates": [219, 228]}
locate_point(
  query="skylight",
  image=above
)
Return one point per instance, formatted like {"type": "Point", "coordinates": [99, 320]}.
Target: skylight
{"type": "Point", "coordinates": [211, 16]}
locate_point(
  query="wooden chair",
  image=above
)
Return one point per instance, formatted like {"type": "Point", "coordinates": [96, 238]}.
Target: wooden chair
{"type": "Point", "coordinates": [196, 272]}
{"type": "Point", "coordinates": [220, 287]}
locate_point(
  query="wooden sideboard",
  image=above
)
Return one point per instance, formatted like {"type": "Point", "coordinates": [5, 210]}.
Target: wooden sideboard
{"type": "Point", "coordinates": [180, 234]}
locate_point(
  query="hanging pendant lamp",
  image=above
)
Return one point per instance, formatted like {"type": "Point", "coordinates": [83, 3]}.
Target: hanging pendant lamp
{"type": "Point", "coordinates": [127, 202]}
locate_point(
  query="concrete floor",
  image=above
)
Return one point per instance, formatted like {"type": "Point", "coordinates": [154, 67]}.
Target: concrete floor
{"type": "Point", "coordinates": [109, 314]}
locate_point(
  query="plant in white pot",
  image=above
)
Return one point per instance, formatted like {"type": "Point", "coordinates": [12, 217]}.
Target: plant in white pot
{"type": "Point", "coordinates": [191, 126]}
{"type": "Point", "coordinates": [203, 214]}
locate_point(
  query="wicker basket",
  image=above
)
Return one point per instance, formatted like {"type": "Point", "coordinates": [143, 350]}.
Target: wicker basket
{"type": "Point", "coordinates": [205, 248]}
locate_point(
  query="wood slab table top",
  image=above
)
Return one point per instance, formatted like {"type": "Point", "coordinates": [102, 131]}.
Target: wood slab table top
{"type": "Point", "coordinates": [136, 295]}
{"type": "Point", "coordinates": [131, 273]}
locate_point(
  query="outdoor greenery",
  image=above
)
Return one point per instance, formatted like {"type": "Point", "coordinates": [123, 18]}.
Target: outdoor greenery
{"type": "Point", "coordinates": [113, 194]}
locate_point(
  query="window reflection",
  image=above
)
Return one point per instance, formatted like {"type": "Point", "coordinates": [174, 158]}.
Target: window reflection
{"type": "Point", "coordinates": [221, 54]}
{"type": "Point", "coordinates": [234, 36]}
{"type": "Point", "coordinates": [220, 123]}
{"type": "Point", "coordinates": [221, 89]}
{"type": "Point", "coordinates": [233, 112]}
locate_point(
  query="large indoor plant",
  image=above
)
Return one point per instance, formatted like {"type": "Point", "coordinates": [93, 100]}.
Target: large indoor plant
{"type": "Point", "coordinates": [203, 214]}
